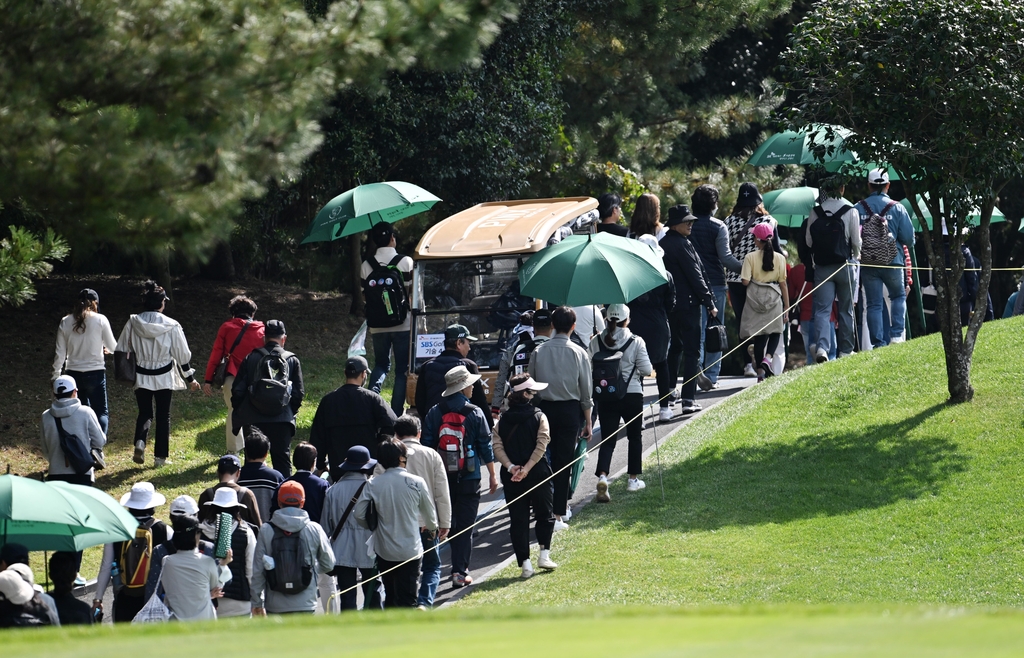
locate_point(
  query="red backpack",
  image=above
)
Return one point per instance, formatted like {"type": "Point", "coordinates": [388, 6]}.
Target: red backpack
{"type": "Point", "coordinates": [451, 440]}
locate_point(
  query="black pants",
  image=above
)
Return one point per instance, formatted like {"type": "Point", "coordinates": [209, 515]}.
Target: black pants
{"type": "Point", "coordinates": [771, 341]}
{"type": "Point", "coordinates": [280, 437]}
{"type": "Point", "coordinates": [465, 504]}
{"type": "Point", "coordinates": [371, 588]}
{"type": "Point", "coordinates": [126, 607]}
{"type": "Point", "coordinates": [401, 586]}
{"type": "Point", "coordinates": [685, 324]}
{"type": "Point", "coordinates": [519, 511]}
{"type": "Point", "coordinates": [630, 408]}
{"type": "Point", "coordinates": [738, 297]}
{"type": "Point", "coordinates": [86, 481]}
{"type": "Point", "coordinates": [666, 382]}
{"type": "Point", "coordinates": [145, 398]}
{"type": "Point", "coordinates": [564, 419]}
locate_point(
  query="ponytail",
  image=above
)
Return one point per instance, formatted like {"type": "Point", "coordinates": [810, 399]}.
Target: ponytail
{"type": "Point", "coordinates": [79, 311]}
{"type": "Point", "coordinates": [768, 259]}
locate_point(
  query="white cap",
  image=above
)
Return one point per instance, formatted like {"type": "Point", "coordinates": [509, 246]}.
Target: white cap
{"type": "Point", "coordinates": [617, 312]}
{"type": "Point", "coordinates": [878, 177]}
{"type": "Point", "coordinates": [64, 384]}
{"type": "Point", "coordinates": [14, 588]}
{"type": "Point", "coordinates": [184, 505]}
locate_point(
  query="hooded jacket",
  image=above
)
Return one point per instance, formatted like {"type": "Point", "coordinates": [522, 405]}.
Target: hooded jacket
{"type": "Point", "coordinates": [161, 351]}
{"type": "Point", "coordinates": [318, 556]}
{"type": "Point", "coordinates": [76, 419]}
{"type": "Point", "coordinates": [634, 358]}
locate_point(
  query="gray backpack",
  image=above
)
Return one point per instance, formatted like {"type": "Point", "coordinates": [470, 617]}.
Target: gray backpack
{"type": "Point", "coordinates": [290, 574]}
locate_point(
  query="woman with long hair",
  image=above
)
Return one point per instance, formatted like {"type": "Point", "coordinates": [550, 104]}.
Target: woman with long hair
{"type": "Point", "coordinates": [646, 219]}
{"type": "Point", "coordinates": [764, 275]}
{"type": "Point", "coordinates": [161, 367]}
{"type": "Point", "coordinates": [84, 337]}
{"type": "Point", "coordinates": [748, 211]}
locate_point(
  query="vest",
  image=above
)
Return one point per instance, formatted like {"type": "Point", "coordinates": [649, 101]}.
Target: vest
{"type": "Point", "coordinates": [238, 587]}
{"type": "Point", "coordinates": [520, 444]}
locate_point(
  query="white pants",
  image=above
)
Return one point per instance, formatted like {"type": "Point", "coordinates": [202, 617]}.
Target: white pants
{"type": "Point", "coordinates": [234, 442]}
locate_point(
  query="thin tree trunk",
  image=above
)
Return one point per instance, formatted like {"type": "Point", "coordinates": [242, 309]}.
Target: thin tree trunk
{"type": "Point", "coordinates": [355, 260]}
{"type": "Point", "coordinates": [162, 268]}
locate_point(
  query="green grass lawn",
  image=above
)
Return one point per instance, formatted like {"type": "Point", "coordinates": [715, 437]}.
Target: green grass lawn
{"type": "Point", "coordinates": [846, 483]}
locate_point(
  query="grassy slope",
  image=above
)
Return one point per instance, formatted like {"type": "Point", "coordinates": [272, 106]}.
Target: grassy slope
{"type": "Point", "coordinates": [846, 483]}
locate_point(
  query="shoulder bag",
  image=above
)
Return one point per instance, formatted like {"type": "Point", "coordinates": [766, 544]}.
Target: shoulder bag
{"type": "Point", "coordinates": [221, 373]}
{"type": "Point", "coordinates": [124, 362]}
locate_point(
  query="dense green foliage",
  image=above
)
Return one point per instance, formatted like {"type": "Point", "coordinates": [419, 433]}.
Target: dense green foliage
{"type": "Point", "coordinates": [24, 257]}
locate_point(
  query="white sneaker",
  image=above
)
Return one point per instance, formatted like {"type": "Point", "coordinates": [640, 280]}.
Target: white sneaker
{"type": "Point", "coordinates": [665, 414]}
{"type": "Point", "coordinates": [140, 452]}
{"type": "Point", "coordinates": [820, 356]}
{"type": "Point", "coordinates": [568, 513]}
{"type": "Point", "coordinates": [902, 338]}
{"type": "Point", "coordinates": [160, 462]}
{"type": "Point", "coordinates": [602, 490]}
{"type": "Point", "coordinates": [635, 484]}
{"type": "Point", "coordinates": [693, 407]}
{"type": "Point", "coordinates": [527, 571]}
{"type": "Point", "coordinates": [748, 370]}
{"type": "Point", "coordinates": [560, 525]}
{"type": "Point", "coordinates": [545, 562]}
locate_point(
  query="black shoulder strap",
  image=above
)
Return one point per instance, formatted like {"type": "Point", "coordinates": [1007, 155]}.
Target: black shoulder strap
{"type": "Point", "coordinates": [348, 511]}
{"type": "Point", "coordinates": [624, 348]}
{"type": "Point", "coordinates": [238, 339]}
{"type": "Point", "coordinates": [396, 260]}
{"type": "Point", "coordinates": [864, 202]}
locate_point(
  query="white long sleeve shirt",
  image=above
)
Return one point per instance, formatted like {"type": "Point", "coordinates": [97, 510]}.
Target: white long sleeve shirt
{"type": "Point", "coordinates": [83, 352]}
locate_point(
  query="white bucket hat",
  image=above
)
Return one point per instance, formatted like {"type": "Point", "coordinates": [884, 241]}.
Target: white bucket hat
{"type": "Point", "coordinates": [14, 588]}
{"type": "Point", "coordinates": [224, 497]}
{"type": "Point", "coordinates": [457, 379]}
{"type": "Point", "coordinates": [142, 496]}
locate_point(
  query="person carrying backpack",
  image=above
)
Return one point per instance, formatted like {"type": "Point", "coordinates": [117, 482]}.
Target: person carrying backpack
{"type": "Point", "coordinates": [70, 431]}
{"type": "Point", "coordinates": [458, 430]}
{"type": "Point", "coordinates": [881, 242]}
{"type": "Point", "coordinates": [268, 392]}
{"type": "Point", "coordinates": [127, 563]}
{"type": "Point", "coordinates": [290, 552]}
{"type": "Point", "coordinates": [830, 249]}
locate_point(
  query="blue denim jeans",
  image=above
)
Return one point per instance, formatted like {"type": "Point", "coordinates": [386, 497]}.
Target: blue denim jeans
{"type": "Point", "coordinates": [873, 279]}
{"type": "Point", "coordinates": [838, 288]}
{"type": "Point", "coordinates": [383, 344]}
{"type": "Point", "coordinates": [92, 391]}
{"type": "Point", "coordinates": [712, 360]}
{"type": "Point", "coordinates": [811, 341]}
{"type": "Point", "coordinates": [430, 570]}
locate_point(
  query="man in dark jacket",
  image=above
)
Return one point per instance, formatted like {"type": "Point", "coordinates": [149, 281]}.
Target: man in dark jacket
{"type": "Point", "coordinates": [349, 416]}
{"type": "Point", "coordinates": [692, 292]}
{"type": "Point", "coordinates": [304, 458]}
{"type": "Point", "coordinates": [228, 468]}
{"type": "Point", "coordinates": [279, 426]}
{"type": "Point", "coordinates": [430, 385]}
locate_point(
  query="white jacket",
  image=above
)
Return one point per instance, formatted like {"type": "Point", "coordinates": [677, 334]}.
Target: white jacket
{"type": "Point", "coordinates": [157, 341]}
{"type": "Point", "coordinates": [634, 359]}
{"type": "Point", "coordinates": [83, 352]}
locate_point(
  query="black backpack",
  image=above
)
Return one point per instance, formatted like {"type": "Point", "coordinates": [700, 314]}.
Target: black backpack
{"type": "Point", "coordinates": [521, 355]}
{"type": "Point", "coordinates": [505, 310]}
{"type": "Point", "coordinates": [270, 388]}
{"type": "Point", "coordinates": [828, 232]}
{"type": "Point", "coordinates": [290, 574]}
{"type": "Point", "coordinates": [384, 290]}
{"type": "Point", "coordinates": [77, 455]}
{"type": "Point", "coordinates": [609, 384]}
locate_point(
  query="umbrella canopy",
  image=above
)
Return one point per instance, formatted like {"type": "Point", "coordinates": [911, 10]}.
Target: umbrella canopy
{"type": "Point", "coordinates": [117, 523]}
{"type": "Point", "coordinates": [592, 269]}
{"type": "Point", "coordinates": [361, 207]}
{"type": "Point", "coordinates": [791, 206]}
{"type": "Point", "coordinates": [45, 517]}
{"type": "Point", "coordinates": [793, 148]}
{"type": "Point", "coordinates": [973, 219]}
{"type": "Point", "coordinates": [859, 170]}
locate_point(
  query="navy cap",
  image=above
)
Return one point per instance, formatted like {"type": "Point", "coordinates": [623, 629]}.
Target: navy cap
{"type": "Point", "coordinates": [229, 464]}
{"type": "Point", "coordinates": [274, 329]}
{"type": "Point", "coordinates": [356, 365]}
{"type": "Point", "coordinates": [542, 317]}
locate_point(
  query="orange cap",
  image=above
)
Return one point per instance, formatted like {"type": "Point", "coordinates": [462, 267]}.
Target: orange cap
{"type": "Point", "coordinates": [291, 494]}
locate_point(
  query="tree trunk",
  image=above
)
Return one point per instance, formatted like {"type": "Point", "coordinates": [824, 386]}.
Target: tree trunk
{"type": "Point", "coordinates": [355, 260]}
{"type": "Point", "coordinates": [161, 259]}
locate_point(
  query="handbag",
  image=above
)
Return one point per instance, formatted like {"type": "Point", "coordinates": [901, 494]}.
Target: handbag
{"type": "Point", "coordinates": [221, 373]}
{"type": "Point", "coordinates": [716, 339]}
{"type": "Point", "coordinates": [372, 519]}
{"type": "Point", "coordinates": [124, 362]}
{"type": "Point", "coordinates": [155, 611]}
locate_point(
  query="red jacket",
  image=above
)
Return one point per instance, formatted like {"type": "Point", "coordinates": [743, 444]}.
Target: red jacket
{"type": "Point", "coordinates": [226, 336]}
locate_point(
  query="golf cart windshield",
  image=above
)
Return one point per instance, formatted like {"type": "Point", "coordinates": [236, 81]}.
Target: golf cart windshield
{"type": "Point", "coordinates": [480, 294]}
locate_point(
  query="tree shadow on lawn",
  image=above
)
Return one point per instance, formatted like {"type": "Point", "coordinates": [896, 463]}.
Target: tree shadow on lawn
{"type": "Point", "coordinates": [822, 474]}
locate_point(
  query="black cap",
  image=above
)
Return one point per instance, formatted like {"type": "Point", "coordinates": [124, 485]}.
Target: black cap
{"type": "Point", "coordinates": [355, 366]}
{"type": "Point", "coordinates": [88, 295]}
{"type": "Point", "coordinates": [229, 464]}
{"type": "Point", "coordinates": [274, 329]}
{"type": "Point", "coordinates": [542, 317]}
{"type": "Point", "coordinates": [12, 553]}
{"type": "Point", "coordinates": [382, 230]}
{"type": "Point", "coordinates": [457, 332]}
{"type": "Point", "coordinates": [748, 196]}
{"type": "Point", "coordinates": [679, 214]}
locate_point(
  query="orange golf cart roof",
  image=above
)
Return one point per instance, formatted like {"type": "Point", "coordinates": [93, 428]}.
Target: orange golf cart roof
{"type": "Point", "coordinates": [501, 227]}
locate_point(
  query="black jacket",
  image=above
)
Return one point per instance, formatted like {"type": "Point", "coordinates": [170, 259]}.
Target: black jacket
{"type": "Point", "coordinates": [430, 384]}
{"type": "Point", "coordinates": [348, 416]}
{"type": "Point", "coordinates": [648, 318]}
{"type": "Point", "coordinates": [245, 413]}
{"type": "Point", "coordinates": [683, 263]}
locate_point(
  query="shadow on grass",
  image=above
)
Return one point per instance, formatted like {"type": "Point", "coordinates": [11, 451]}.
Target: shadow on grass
{"type": "Point", "coordinates": [823, 474]}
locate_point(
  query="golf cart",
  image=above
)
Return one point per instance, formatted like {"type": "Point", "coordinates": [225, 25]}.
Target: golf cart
{"type": "Point", "coordinates": [466, 272]}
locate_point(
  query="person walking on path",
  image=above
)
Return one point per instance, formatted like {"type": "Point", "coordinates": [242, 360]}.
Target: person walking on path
{"type": "Point", "coordinates": [430, 384]}
{"type": "Point", "coordinates": [315, 487]}
{"type": "Point", "coordinates": [70, 610]}
{"type": "Point", "coordinates": [463, 427]}
{"type": "Point", "coordinates": [748, 211]}
{"type": "Point", "coordinates": [235, 339]}
{"type": "Point", "coordinates": [83, 338]}
{"type": "Point", "coordinates": [180, 506]}
{"type": "Point", "coordinates": [350, 415]}
{"type": "Point", "coordinates": [76, 420]}
{"type": "Point", "coordinates": [256, 476]}
{"type": "Point", "coordinates": [228, 468]}
{"type": "Point", "coordinates": [427, 464]}
{"type": "Point", "coordinates": [565, 368]}
{"type": "Point", "coordinates": [161, 367]}
{"type": "Point", "coordinates": [268, 392]}
{"type": "Point", "coordinates": [191, 580]}
{"type": "Point", "coordinates": [634, 365]}
{"type": "Point", "coordinates": [520, 442]}
{"type": "Point", "coordinates": [242, 543]}
{"type": "Point", "coordinates": [692, 293]}
{"type": "Point", "coordinates": [648, 318]}
{"type": "Point", "coordinates": [764, 274]}
{"type": "Point", "coordinates": [401, 499]}
{"type": "Point", "coordinates": [388, 339]}
{"type": "Point", "coordinates": [351, 562]}
{"type": "Point", "coordinates": [312, 556]}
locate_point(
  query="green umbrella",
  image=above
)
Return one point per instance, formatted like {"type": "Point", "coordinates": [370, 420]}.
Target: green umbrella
{"type": "Point", "coordinates": [45, 517]}
{"type": "Point", "coordinates": [791, 206]}
{"type": "Point", "coordinates": [118, 524]}
{"type": "Point", "coordinates": [793, 148]}
{"type": "Point", "coordinates": [361, 207]}
{"type": "Point", "coordinates": [577, 466]}
{"type": "Point", "coordinates": [859, 170]}
{"type": "Point", "coordinates": [592, 269]}
{"type": "Point", "coordinates": [973, 219]}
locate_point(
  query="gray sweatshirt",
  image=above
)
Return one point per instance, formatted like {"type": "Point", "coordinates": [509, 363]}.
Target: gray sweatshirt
{"type": "Point", "coordinates": [76, 419]}
{"type": "Point", "coordinates": [401, 499]}
{"type": "Point", "coordinates": [318, 556]}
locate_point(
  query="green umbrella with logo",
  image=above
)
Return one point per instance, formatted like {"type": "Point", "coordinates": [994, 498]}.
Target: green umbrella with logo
{"type": "Point", "coordinates": [361, 207]}
{"type": "Point", "coordinates": [974, 219]}
{"type": "Point", "coordinates": [794, 148]}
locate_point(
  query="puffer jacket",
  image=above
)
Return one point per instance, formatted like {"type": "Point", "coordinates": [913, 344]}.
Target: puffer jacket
{"type": "Point", "coordinates": [161, 351]}
{"type": "Point", "coordinates": [634, 358]}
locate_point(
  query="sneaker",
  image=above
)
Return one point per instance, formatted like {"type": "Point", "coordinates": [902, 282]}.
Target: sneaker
{"type": "Point", "coordinates": [568, 513]}
{"type": "Point", "coordinates": [766, 365]}
{"type": "Point", "coordinates": [160, 462]}
{"type": "Point", "coordinates": [902, 338]}
{"type": "Point", "coordinates": [602, 491]}
{"type": "Point", "coordinates": [748, 370]}
{"type": "Point", "coordinates": [80, 581]}
{"type": "Point", "coordinates": [461, 580]}
{"type": "Point", "coordinates": [665, 414]}
{"type": "Point", "coordinates": [635, 484]}
{"type": "Point", "coordinates": [704, 383]}
{"type": "Point", "coordinates": [545, 561]}
{"type": "Point", "coordinates": [140, 452]}
{"type": "Point", "coordinates": [760, 378]}
{"type": "Point", "coordinates": [559, 525]}
{"type": "Point", "coordinates": [692, 407]}
{"type": "Point", "coordinates": [527, 571]}
{"type": "Point", "coordinates": [674, 396]}
{"type": "Point", "coordinates": [820, 356]}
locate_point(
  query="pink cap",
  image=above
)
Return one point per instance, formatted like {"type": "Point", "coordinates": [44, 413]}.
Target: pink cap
{"type": "Point", "coordinates": [763, 231]}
